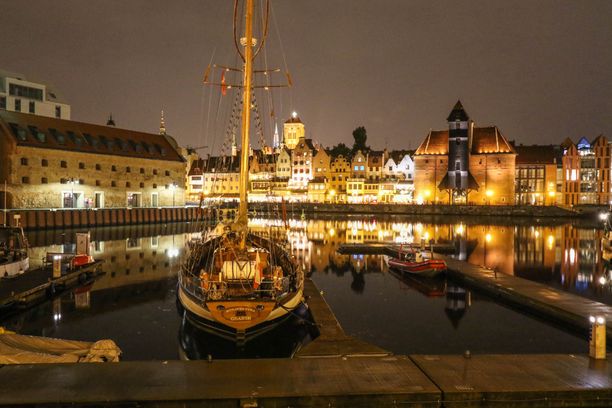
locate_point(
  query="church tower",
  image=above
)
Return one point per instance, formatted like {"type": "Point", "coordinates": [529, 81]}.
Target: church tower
{"type": "Point", "coordinates": [293, 131]}
{"type": "Point", "coordinates": [162, 124]}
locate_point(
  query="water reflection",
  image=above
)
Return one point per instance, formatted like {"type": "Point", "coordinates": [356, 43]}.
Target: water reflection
{"type": "Point", "coordinates": [281, 342]}
{"type": "Point", "coordinates": [566, 256]}
{"type": "Point", "coordinates": [134, 302]}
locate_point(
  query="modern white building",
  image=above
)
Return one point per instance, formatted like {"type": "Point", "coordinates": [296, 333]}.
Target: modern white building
{"type": "Point", "coordinates": [17, 94]}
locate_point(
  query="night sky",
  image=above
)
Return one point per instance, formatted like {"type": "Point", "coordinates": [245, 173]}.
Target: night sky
{"type": "Point", "coordinates": [539, 70]}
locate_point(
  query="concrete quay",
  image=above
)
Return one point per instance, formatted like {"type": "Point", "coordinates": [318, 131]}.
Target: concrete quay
{"type": "Point", "coordinates": [334, 370]}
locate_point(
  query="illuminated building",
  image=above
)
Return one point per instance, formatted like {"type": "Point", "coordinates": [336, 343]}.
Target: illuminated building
{"type": "Point", "coordinates": [586, 171]}
{"type": "Point", "coordinates": [17, 94]}
{"type": "Point", "coordinates": [293, 131]}
{"type": "Point", "coordinates": [215, 177]}
{"type": "Point", "coordinates": [536, 174]}
{"type": "Point", "coordinates": [358, 165]}
{"type": "Point", "coordinates": [375, 163]}
{"type": "Point", "coordinates": [340, 172]}
{"type": "Point", "coordinates": [55, 163]}
{"type": "Point", "coordinates": [464, 164]}
{"type": "Point", "coordinates": [301, 164]}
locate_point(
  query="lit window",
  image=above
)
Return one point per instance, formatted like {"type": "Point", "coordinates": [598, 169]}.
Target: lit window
{"type": "Point", "coordinates": [24, 161]}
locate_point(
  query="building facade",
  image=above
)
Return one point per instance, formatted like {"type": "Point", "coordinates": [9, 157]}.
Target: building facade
{"type": "Point", "coordinates": [586, 171]}
{"type": "Point", "coordinates": [54, 163]}
{"type": "Point", "coordinates": [17, 94]}
{"type": "Point", "coordinates": [536, 174]}
{"type": "Point", "coordinates": [293, 131]}
{"type": "Point", "coordinates": [465, 164]}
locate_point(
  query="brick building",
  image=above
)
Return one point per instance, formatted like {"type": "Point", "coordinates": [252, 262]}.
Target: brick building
{"type": "Point", "coordinates": [586, 171]}
{"type": "Point", "coordinates": [464, 164]}
{"type": "Point", "coordinates": [536, 174]}
{"type": "Point", "coordinates": [54, 163]}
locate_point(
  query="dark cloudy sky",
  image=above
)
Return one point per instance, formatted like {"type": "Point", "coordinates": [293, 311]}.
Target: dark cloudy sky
{"type": "Point", "coordinates": [541, 70]}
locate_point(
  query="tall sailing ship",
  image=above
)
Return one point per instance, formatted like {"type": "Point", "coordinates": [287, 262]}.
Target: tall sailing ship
{"type": "Point", "coordinates": [236, 283]}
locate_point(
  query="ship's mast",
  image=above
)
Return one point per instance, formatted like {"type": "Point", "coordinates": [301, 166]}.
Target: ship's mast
{"type": "Point", "coordinates": [247, 42]}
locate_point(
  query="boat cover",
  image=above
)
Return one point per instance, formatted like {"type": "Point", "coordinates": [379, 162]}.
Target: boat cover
{"type": "Point", "coordinates": [21, 349]}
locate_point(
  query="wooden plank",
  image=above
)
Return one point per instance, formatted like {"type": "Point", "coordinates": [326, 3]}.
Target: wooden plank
{"type": "Point", "coordinates": [519, 380]}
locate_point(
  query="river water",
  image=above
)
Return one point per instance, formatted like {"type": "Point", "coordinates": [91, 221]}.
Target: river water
{"type": "Point", "coordinates": [134, 302]}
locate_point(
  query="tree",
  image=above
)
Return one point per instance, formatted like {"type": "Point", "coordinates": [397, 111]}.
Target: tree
{"type": "Point", "coordinates": [361, 136]}
{"type": "Point", "coordinates": [341, 149]}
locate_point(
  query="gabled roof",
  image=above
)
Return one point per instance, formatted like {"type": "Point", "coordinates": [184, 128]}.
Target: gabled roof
{"type": "Point", "coordinates": [485, 140]}
{"type": "Point", "coordinates": [305, 144]}
{"type": "Point", "coordinates": [538, 154]}
{"type": "Point", "coordinates": [294, 119]}
{"type": "Point", "coordinates": [215, 164]}
{"type": "Point", "coordinates": [458, 114]}
{"type": "Point", "coordinates": [51, 133]}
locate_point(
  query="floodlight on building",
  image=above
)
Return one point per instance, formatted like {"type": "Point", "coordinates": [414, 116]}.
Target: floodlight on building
{"type": "Point", "coordinates": [604, 216]}
{"type": "Point", "coordinates": [459, 229]}
{"type": "Point", "coordinates": [294, 114]}
{"type": "Point", "coordinates": [552, 193]}
{"type": "Point", "coordinates": [602, 280]}
{"type": "Point", "coordinates": [489, 193]}
{"type": "Point", "coordinates": [488, 237]}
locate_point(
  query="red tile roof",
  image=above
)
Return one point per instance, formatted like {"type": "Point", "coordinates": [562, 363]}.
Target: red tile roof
{"type": "Point", "coordinates": [484, 140]}
{"type": "Point", "coordinates": [51, 133]}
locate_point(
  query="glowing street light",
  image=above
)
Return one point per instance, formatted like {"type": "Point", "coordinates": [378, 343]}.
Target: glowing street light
{"type": "Point", "coordinates": [173, 187]}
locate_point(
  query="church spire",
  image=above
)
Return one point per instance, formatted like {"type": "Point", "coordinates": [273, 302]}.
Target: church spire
{"type": "Point", "coordinates": [275, 142]}
{"type": "Point", "coordinates": [110, 121]}
{"type": "Point", "coordinates": [162, 124]}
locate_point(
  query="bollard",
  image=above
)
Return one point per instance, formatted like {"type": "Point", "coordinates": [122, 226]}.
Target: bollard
{"type": "Point", "coordinates": [597, 341]}
{"type": "Point", "coordinates": [57, 266]}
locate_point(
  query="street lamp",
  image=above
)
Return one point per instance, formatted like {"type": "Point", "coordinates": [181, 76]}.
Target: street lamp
{"type": "Point", "coordinates": [173, 188]}
{"type": "Point", "coordinates": [72, 181]}
{"type": "Point", "coordinates": [489, 194]}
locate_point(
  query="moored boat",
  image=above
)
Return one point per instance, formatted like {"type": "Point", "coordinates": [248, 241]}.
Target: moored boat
{"type": "Point", "coordinates": [14, 259]}
{"type": "Point", "coordinates": [428, 267]}
{"type": "Point", "coordinates": [235, 283]}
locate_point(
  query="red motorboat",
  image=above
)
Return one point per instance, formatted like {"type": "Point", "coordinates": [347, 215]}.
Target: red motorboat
{"type": "Point", "coordinates": [424, 267]}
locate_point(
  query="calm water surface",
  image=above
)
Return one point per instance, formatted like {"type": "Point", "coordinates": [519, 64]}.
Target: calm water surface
{"type": "Point", "coordinates": [134, 303]}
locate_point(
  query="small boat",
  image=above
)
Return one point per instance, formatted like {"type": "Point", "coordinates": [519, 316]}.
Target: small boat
{"type": "Point", "coordinates": [416, 264]}
{"type": "Point", "coordinates": [14, 258]}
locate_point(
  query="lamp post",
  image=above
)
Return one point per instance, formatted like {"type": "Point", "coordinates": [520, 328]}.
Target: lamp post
{"type": "Point", "coordinates": [173, 188]}
{"type": "Point", "coordinates": [72, 181]}
{"type": "Point", "coordinates": [489, 194]}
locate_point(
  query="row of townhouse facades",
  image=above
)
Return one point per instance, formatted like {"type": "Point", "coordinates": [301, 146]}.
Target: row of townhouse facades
{"type": "Point", "coordinates": [464, 164]}
{"type": "Point", "coordinates": [50, 161]}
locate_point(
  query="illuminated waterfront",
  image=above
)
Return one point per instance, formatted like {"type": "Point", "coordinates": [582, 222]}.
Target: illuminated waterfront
{"type": "Point", "coordinates": [134, 302]}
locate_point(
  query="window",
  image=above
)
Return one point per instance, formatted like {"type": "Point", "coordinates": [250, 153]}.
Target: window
{"type": "Point", "coordinates": [24, 161]}
{"type": "Point", "coordinates": [128, 170]}
{"type": "Point", "coordinates": [113, 183]}
{"type": "Point", "coordinates": [154, 185]}
{"type": "Point", "coordinates": [98, 183]}
{"type": "Point", "coordinates": [26, 92]}
{"type": "Point", "coordinates": [63, 181]}
{"type": "Point", "coordinates": [128, 184]}
{"type": "Point", "coordinates": [63, 164]}
{"type": "Point", "coordinates": [167, 173]}
{"type": "Point", "coordinates": [58, 111]}
{"type": "Point", "coordinates": [98, 167]}
{"type": "Point", "coordinates": [155, 172]}
{"type": "Point", "coordinates": [25, 180]}
{"type": "Point", "coordinates": [44, 180]}
{"type": "Point", "coordinates": [81, 165]}
{"type": "Point", "coordinates": [32, 107]}
{"type": "Point", "coordinates": [141, 170]}
{"type": "Point", "coordinates": [81, 181]}
{"type": "Point", "coordinates": [361, 168]}
{"type": "Point", "coordinates": [113, 168]}
{"type": "Point", "coordinates": [141, 185]}
{"type": "Point", "coordinates": [18, 105]}
{"type": "Point", "coordinates": [2, 102]}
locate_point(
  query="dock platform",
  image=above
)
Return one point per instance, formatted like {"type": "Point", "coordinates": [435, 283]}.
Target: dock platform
{"type": "Point", "coordinates": [36, 284]}
{"type": "Point", "coordinates": [334, 370]}
{"type": "Point", "coordinates": [533, 296]}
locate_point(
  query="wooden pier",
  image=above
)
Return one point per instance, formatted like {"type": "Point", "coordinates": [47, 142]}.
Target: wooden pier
{"type": "Point", "coordinates": [38, 284]}
{"type": "Point", "coordinates": [334, 370]}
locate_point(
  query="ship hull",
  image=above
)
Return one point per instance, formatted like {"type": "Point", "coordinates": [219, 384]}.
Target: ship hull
{"type": "Point", "coordinates": [219, 317]}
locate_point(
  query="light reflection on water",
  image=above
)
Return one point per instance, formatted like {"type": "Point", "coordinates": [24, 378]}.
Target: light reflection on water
{"type": "Point", "coordinates": [134, 302]}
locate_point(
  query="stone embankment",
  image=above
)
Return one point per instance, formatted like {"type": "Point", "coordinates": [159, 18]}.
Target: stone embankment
{"type": "Point", "coordinates": [411, 209]}
{"type": "Point", "coordinates": [77, 218]}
